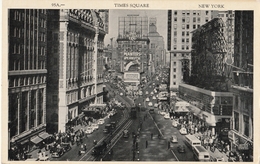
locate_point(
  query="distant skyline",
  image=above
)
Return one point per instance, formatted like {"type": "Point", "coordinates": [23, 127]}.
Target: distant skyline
{"type": "Point", "coordinates": [161, 16]}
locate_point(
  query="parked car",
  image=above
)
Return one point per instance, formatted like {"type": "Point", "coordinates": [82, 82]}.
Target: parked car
{"type": "Point", "coordinates": [181, 149]}
{"type": "Point", "coordinates": [147, 99]}
{"type": "Point", "coordinates": [167, 116]}
{"type": "Point", "coordinates": [155, 105]}
{"type": "Point", "coordinates": [101, 121]}
{"type": "Point", "coordinates": [94, 126]}
{"type": "Point", "coordinates": [183, 131]}
{"type": "Point", "coordinates": [162, 113]}
{"type": "Point", "coordinates": [174, 139]}
{"type": "Point", "coordinates": [174, 124]}
{"type": "Point", "coordinates": [150, 104]}
{"type": "Point", "coordinates": [146, 92]}
{"type": "Point", "coordinates": [89, 130]}
{"type": "Point", "coordinates": [154, 98]}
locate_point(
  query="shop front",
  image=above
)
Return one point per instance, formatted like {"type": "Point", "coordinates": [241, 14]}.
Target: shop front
{"type": "Point", "coordinates": [241, 145]}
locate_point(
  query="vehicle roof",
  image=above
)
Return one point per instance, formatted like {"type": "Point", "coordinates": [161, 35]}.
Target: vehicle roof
{"type": "Point", "coordinates": [200, 148]}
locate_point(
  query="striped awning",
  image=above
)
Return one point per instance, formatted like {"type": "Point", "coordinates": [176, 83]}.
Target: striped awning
{"type": "Point", "coordinates": [36, 139]}
{"type": "Point", "coordinates": [44, 135]}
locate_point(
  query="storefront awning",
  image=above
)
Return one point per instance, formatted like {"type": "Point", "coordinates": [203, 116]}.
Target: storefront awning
{"type": "Point", "coordinates": [181, 109]}
{"type": "Point", "coordinates": [36, 140]}
{"type": "Point", "coordinates": [195, 111]}
{"type": "Point", "coordinates": [44, 135]}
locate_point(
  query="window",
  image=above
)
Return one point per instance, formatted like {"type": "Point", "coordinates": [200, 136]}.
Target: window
{"type": "Point", "coordinates": [175, 12]}
{"type": "Point", "coordinates": [188, 20]}
{"type": "Point", "coordinates": [194, 20]}
{"type": "Point", "coordinates": [188, 12]}
{"type": "Point", "coordinates": [188, 26]}
{"type": "Point", "coordinates": [174, 63]}
{"type": "Point", "coordinates": [174, 47]}
{"type": "Point", "coordinates": [175, 33]}
{"type": "Point", "coordinates": [174, 76]}
{"type": "Point", "coordinates": [174, 69]}
{"type": "Point", "coordinates": [182, 40]}
{"type": "Point", "coordinates": [183, 12]}
{"type": "Point", "coordinates": [194, 26]}
{"type": "Point", "coordinates": [175, 26]}
{"type": "Point", "coordinates": [182, 47]}
{"type": "Point", "coordinates": [246, 125]}
{"type": "Point", "coordinates": [152, 45]}
{"type": "Point", "coordinates": [187, 40]}
{"type": "Point", "coordinates": [206, 19]}
{"type": "Point", "coordinates": [198, 26]}
{"type": "Point", "coordinates": [207, 12]}
{"type": "Point", "coordinates": [187, 33]}
{"type": "Point", "coordinates": [174, 55]}
{"type": "Point", "coordinates": [182, 55]}
{"type": "Point", "coordinates": [198, 19]}
{"type": "Point", "coordinates": [236, 121]}
{"type": "Point", "coordinates": [175, 40]}
{"type": "Point", "coordinates": [174, 83]}
{"type": "Point", "coordinates": [198, 13]}
{"type": "Point", "coordinates": [187, 47]}
{"type": "Point", "coordinates": [183, 26]}
{"type": "Point", "coordinates": [183, 20]}
{"type": "Point", "coordinates": [194, 12]}
{"type": "Point", "coordinates": [183, 33]}
{"type": "Point", "coordinates": [175, 19]}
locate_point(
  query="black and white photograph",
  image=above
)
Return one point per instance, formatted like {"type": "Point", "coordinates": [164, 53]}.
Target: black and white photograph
{"type": "Point", "coordinates": [130, 84]}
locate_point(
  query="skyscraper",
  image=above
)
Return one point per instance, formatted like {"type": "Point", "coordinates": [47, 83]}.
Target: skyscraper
{"type": "Point", "coordinates": [27, 76]}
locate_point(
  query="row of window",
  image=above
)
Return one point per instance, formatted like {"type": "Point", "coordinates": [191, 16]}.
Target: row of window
{"type": "Point", "coordinates": [24, 81]}
{"type": "Point", "coordinates": [19, 33]}
{"type": "Point", "coordinates": [183, 47]}
{"type": "Point", "coordinates": [20, 16]}
{"type": "Point", "coordinates": [187, 19]}
{"type": "Point", "coordinates": [194, 12]}
{"type": "Point", "coordinates": [72, 97]}
{"type": "Point", "coordinates": [182, 33]}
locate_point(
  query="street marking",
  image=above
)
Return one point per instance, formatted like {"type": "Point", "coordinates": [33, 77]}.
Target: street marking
{"type": "Point", "coordinates": [174, 155]}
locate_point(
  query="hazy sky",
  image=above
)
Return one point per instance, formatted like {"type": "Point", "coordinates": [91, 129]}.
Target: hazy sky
{"type": "Point", "coordinates": [161, 16]}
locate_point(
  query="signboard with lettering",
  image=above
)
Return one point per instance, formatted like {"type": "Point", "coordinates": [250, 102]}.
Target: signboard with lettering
{"type": "Point", "coordinates": [131, 76]}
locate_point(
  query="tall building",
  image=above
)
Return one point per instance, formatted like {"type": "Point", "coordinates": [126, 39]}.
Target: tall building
{"type": "Point", "coordinates": [208, 89]}
{"type": "Point", "coordinates": [180, 24]}
{"type": "Point", "coordinates": [242, 134]}
{"type": "Point", "coordinates": [75, 64]}
{"type": "Point", "coordinates": [156, 47]}
{"type": "Point", "coordinates": [133, 46]}
{"type": "Point", "coordinates": [27, 72]}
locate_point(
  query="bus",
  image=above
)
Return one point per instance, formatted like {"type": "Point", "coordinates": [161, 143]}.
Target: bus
{"type": "Point", "coordinates": [192, 141]}
{"type": "Point", "coordinates": [200, 153]}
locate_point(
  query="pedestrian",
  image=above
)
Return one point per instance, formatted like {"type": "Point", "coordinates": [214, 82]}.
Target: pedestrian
{"type": "Point", "coordinates": [169, 144]}
{"type": "Point", "coordinates": [146, 144]}
{"type": "Point", "coordinates": [79, 153]}
{"type": "Point", "coordinates": [151, 136]}
{"type": "Point", "coordinates": [159, 135]}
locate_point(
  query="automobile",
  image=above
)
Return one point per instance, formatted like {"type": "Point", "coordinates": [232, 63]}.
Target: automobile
{"type": "Point", "coordinates": [155, 105]}
{"type": "Point", "coordinates": [150, 104]}
{"type": "Point", "coordinates": [121, 94]}
{"type": "Point", "coordinates": [94, 126]}
{"type": "Point", "coordinates": [157, 96]}
{"type": "Point", "coordinates": [125, 133]}
{"type": "Point", "coordinates": [218, 159]}
{"type": "Point", "coordinates": [155, 91]}
{"type": "Point", "coordinates": [167, 116]}
{"type": "Point", "coordinates": [162, 113]}
{"type": "Point", "coordinates": [181, 149]}
{"type": "Point", "coordinates": [146, 92]}
{"type": "Point", "coordinates": [89, 130]}
{"type": "Point", "coordinates": [183, 131]}
{"type": "Point", "coordinates": [175, 124]}
{"type": "Point", "coordinates": [174, 139]}
{"type": "Point", "coordinates": [153, 83]}
{"type": "Point", "coordinates": [147, 99]}
{"type": "Point", "coordinates": [101, 121]}
{"type": "Point", "coordinates": [154, 98]}
{"type": "Point", "coordinates": [152, 93]}
{"type": "Point", "coordinates": [151, 110]}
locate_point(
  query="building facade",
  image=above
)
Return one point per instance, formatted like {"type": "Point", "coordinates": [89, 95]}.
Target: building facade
{"type": "Point", "coordinates": [156, 47]}
{"type": "Point", "coordinates": [180, 24]}
{"type": "Point", "coordinates": [75, 77]}
{"type": "Point", "coordinates": [242, 134]}
{"type": "Point", "coordinates": [133, 46]}
{"type": "Point", "coordinates": [27, 72]}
